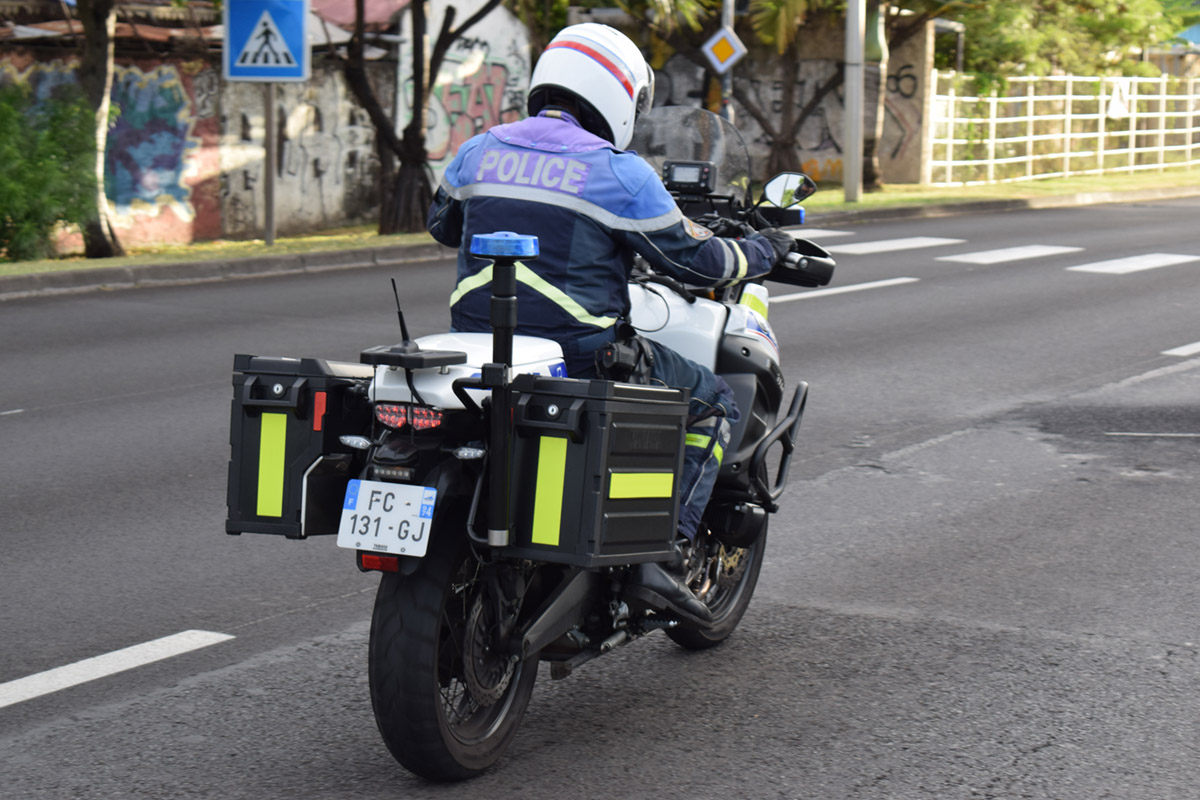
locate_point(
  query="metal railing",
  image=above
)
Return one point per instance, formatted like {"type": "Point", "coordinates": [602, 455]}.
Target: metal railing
{"type": "Point", "coordinates": [1057, 126]}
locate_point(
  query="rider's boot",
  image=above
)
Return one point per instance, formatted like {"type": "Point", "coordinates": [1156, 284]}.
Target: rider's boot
{"type": "Point", "coordinates": [662, 591]}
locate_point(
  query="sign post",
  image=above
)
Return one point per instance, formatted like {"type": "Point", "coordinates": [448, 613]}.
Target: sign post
{"type": "Point", "coordinates": [724, 49]}
{"type": "Point", "coordinates": [266, 41]}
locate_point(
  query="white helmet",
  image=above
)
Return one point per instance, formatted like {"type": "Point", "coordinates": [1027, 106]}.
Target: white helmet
{"type": "Point", "coordinates": [602, 72]}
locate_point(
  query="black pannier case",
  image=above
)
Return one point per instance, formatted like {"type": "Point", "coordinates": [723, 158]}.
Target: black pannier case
{"type": "Point", "coordinates": [288, 470]}
{"type": "Point", "coordinates": [595, 470]}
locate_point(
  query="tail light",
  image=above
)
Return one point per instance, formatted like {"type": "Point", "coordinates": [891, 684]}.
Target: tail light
{"type": "Point", "coordinates": [397, 415]}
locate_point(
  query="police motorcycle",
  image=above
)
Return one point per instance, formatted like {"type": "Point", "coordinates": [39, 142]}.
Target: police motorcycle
{"type": "Point", "coordinates": [506, 505]}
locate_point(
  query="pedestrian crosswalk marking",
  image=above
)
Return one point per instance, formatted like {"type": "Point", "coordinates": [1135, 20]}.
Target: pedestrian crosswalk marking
{"type": "Point", "coordinates": [817, 233]}
{"type": "Point", "coordinates": [1010, 254]}
{"type": "Point", "coordinates": [1124, 266]}
{"type": "Point", "coordinates": [854, 287]}
{"type": "Point", "coordinates": [266, 46]}
{"type": "Point", "coordinates": [1116, 266]}
{"type": "Point", "coordinates": [892, 245]}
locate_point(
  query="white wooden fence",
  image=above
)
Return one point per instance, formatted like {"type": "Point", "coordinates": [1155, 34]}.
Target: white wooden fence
{"type": "Point", "coordinates": [1053, 127]}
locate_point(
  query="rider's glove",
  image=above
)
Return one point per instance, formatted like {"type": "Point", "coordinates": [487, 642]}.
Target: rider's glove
{"type": "Point", "coordinates": [725, 228]}
{"type": "Point", "coordinates": [781, 242]}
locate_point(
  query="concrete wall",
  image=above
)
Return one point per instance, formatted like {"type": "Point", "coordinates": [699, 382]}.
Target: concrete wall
{"type": "Point", "coordinates": [819, 142]}
{"type": "Point", "coordinates": [326, 168]}
{"type": "Point", "coordinates": [909, 94]}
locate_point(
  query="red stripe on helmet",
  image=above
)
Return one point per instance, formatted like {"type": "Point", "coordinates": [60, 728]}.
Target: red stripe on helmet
{"type": "Point", "coordinates": [603, 60]}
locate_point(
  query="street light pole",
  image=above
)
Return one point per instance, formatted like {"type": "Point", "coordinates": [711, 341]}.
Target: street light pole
{"type": "Point", "coordinates": [852, 147]}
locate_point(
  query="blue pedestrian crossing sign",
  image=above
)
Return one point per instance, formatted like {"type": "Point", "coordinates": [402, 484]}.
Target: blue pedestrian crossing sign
{"type": "Point", "coordinates": [266, 40]}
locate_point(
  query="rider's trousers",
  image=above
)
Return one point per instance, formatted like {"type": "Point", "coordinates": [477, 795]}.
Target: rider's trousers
{"type": "Point", "coordinates": [711, 413]}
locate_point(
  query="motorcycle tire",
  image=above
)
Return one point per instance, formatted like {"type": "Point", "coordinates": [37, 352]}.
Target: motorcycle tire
{"type": "Point", "coordinates": [728, 604]}
{"type": "Point", "coordinates": [423, 704]}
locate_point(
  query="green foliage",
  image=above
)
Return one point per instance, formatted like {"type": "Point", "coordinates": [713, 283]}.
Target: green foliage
{"type": "Point", "coordinates": [1072, 37]}
{"type": "Point", "coordinates": [47, 150]}
{"type": "Point", "coordinates": [665, 17]}
{"type": "Point", "coordinates": [542, 18]}
{"type": "Point", "coordinates": [776, 22]}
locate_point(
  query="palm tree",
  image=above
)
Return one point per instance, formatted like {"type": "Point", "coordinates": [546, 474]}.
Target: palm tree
{"type": "Point", "coordinates": [99, 18]}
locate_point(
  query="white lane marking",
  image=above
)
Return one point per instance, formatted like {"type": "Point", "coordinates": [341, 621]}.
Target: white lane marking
{"type": "Point", "coordinates": [856, 287]}
{"type": "Point", "coordinates": [13, 411]}
{"type": "Point", "coordinates": [1011, 254]}
{"type": "Point", "coordinates": [1124, 266]}
{"type": "Point", "coordinates": [1161, 372]}
{"type": "Point", "coordinates": [817, 233]}
{"type": "Point", "coordinates": [90, 669]}
{"type": "Point", "coordinates": [892, 245]}
{"type": "Point", "coordinates": [1159, 435]}
{"type": "Point", "coordinates": [1186, 350]}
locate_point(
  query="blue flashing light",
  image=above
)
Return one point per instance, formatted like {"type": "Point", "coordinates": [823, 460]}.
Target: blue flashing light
{"type": "Point", "coordinates": [504, 243]}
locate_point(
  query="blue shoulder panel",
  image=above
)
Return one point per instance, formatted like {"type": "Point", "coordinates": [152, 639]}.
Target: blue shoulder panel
{"type": "Point", "coordinates": [461, 170]}
{"type": "Point", "coordinates": [646, 195]}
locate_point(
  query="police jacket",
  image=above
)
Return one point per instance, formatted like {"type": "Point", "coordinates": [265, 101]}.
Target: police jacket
{"type": "Point", "coordinates": [591, 207]}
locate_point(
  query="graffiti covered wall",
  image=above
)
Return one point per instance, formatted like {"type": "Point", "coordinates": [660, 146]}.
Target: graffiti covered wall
{"type": "Point", "coordinates": [161, 173]}
{"type": "Point", "coordinates": [185, 152]}
{"type": "Point", "coordinates": [819, 141]}
{"type": "Point", "coordinates": [326, 164]}
{"type": "Point", "coordinates": [482, 83]}
{"type": "Point", "coordinates": [909, 94]}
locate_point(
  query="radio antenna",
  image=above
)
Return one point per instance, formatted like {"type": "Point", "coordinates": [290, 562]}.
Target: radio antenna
{"type": "Point", "coordinates": [400, 312]}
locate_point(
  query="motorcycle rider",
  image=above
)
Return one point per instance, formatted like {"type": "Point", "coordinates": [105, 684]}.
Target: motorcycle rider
{"type": "Point", "coordinates": [563, 175]}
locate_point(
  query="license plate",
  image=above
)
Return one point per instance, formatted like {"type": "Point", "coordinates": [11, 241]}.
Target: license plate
{"type": "Point", "coordinates": [387, 517]}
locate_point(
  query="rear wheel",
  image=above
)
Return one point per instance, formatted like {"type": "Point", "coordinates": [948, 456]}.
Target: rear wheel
{"type": "Point", "coordinates": [725, 584]}
{"type": "Point", "coordinates": [447, 702]}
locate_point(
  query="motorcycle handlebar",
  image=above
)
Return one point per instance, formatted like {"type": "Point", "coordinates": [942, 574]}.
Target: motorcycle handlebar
{"type": "Point", "coordinates": [809, 266]}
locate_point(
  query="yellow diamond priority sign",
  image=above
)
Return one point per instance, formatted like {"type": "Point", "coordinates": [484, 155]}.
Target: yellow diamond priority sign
{"type": "Point", "coordinates": [723, 50]}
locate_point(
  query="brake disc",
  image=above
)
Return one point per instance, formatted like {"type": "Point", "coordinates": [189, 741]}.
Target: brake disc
{"type": "Point", "coordinates": [486, 670]}
{"type": "Point", "coordinates": [734, 561]}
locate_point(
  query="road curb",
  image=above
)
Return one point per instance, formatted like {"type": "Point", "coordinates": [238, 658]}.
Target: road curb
{"type": "Point", "coordinates": [14, 287]}
{"type": "Point", "coordinates": [995, 206]}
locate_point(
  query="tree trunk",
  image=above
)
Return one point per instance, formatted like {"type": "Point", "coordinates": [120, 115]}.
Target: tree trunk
{"type": "Point", "coordinates": [99, 18]}
{"type": "Point", "coordinates": [407, 191]}
{"type": "Point", "coordinates": [783, 156]}
{"type": "Point", "coordinates": [412, 193]}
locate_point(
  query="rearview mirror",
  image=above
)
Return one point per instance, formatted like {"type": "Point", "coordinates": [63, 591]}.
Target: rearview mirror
{"type": "Point", "coordinates": [789, 188]}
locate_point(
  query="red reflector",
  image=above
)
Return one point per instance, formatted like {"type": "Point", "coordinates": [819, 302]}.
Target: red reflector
{"type": "Point", "coordinates": [378, 562]}
{"type": "Point", "coordinates": [318, 410]}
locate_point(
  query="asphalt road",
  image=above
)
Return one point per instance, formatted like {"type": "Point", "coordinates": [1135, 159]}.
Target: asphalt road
{"type": "Point", "coordinates": [983, 582]}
